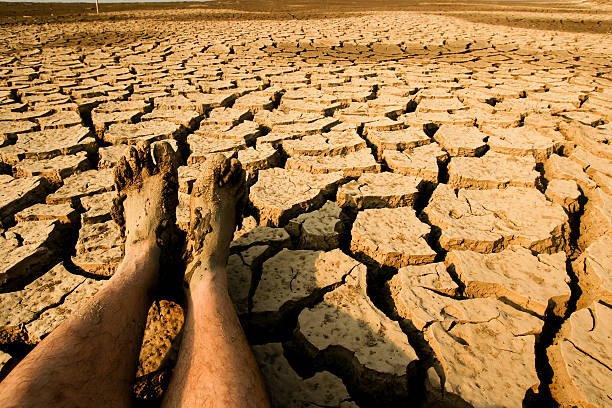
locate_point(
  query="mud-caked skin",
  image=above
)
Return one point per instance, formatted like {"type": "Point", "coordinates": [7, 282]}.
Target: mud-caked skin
{"type": "Point", "coordinates": [147, 195]}
{"type": "Point", "coordinates": [217, 203]}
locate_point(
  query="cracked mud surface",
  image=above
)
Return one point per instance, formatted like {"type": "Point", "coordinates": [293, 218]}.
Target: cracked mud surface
{"type": "Point", "coordinates": [429, 217]}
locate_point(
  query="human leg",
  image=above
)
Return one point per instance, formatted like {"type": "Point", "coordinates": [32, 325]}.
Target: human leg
{"type": "Point", "coordinates": [215, 366]}
{"type": "Point", "coordinates": [91, 359]}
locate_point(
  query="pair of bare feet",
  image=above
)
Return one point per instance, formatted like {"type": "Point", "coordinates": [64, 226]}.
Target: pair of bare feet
{"type": "Point", "coordinates": [145, 209]}
{"type": "Point", "coordinates": [215, 363]}
{"type": "Point", "coordinates": [215, 366]}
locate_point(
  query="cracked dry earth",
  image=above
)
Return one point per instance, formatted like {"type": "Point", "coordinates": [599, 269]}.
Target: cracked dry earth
{"type": "Point", "coordinates": [430, 205]}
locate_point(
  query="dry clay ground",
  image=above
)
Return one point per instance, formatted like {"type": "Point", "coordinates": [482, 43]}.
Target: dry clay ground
{"type": "Point", "coordinates": [430, 195]}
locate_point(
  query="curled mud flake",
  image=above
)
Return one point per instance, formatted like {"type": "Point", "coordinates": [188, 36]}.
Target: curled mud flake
{"type": "Point", "coordinates": [201, 229]}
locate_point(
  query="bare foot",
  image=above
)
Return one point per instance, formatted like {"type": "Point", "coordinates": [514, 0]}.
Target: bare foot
{"type": "Point", "coordinates": [145, 207]}
{"type": "Point", "coordinates": [217, 202]}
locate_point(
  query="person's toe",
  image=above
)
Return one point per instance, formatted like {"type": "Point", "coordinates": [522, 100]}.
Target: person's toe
{"type": "Point", "coordinates": [123, 174]}
{"type": "Point", "coordinates": [117, 213]}
{"type": "Point", "coordinates": [211, 174]}
{"type": "Point", "coordinates": [143, 149]}
{"type": "Point", "coordinates": [165, 159]}
{"type": "Point", "coordinates": [233, 173]}
{"type": "Point", "coordinates": [135, 158]}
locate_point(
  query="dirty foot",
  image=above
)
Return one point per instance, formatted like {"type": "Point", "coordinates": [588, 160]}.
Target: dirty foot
{"type": "Point", "coordinates": [217, 202]}
{"type": "Point", "coordinates": [147, 196]}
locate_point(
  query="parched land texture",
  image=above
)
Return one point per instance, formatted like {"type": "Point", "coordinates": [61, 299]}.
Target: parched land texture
{"type": "Point", "coordinates": [430, 205]}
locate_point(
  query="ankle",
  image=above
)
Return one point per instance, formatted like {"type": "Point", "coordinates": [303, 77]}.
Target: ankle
{"type": "Point", "coordinates": [140, 264]}
{"type": "Point", "coordinates": [208, 279]}
{"type": "Point", "coordinates": [208, 296]}
{"type": "Point", "coordinates": [143, 249]}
